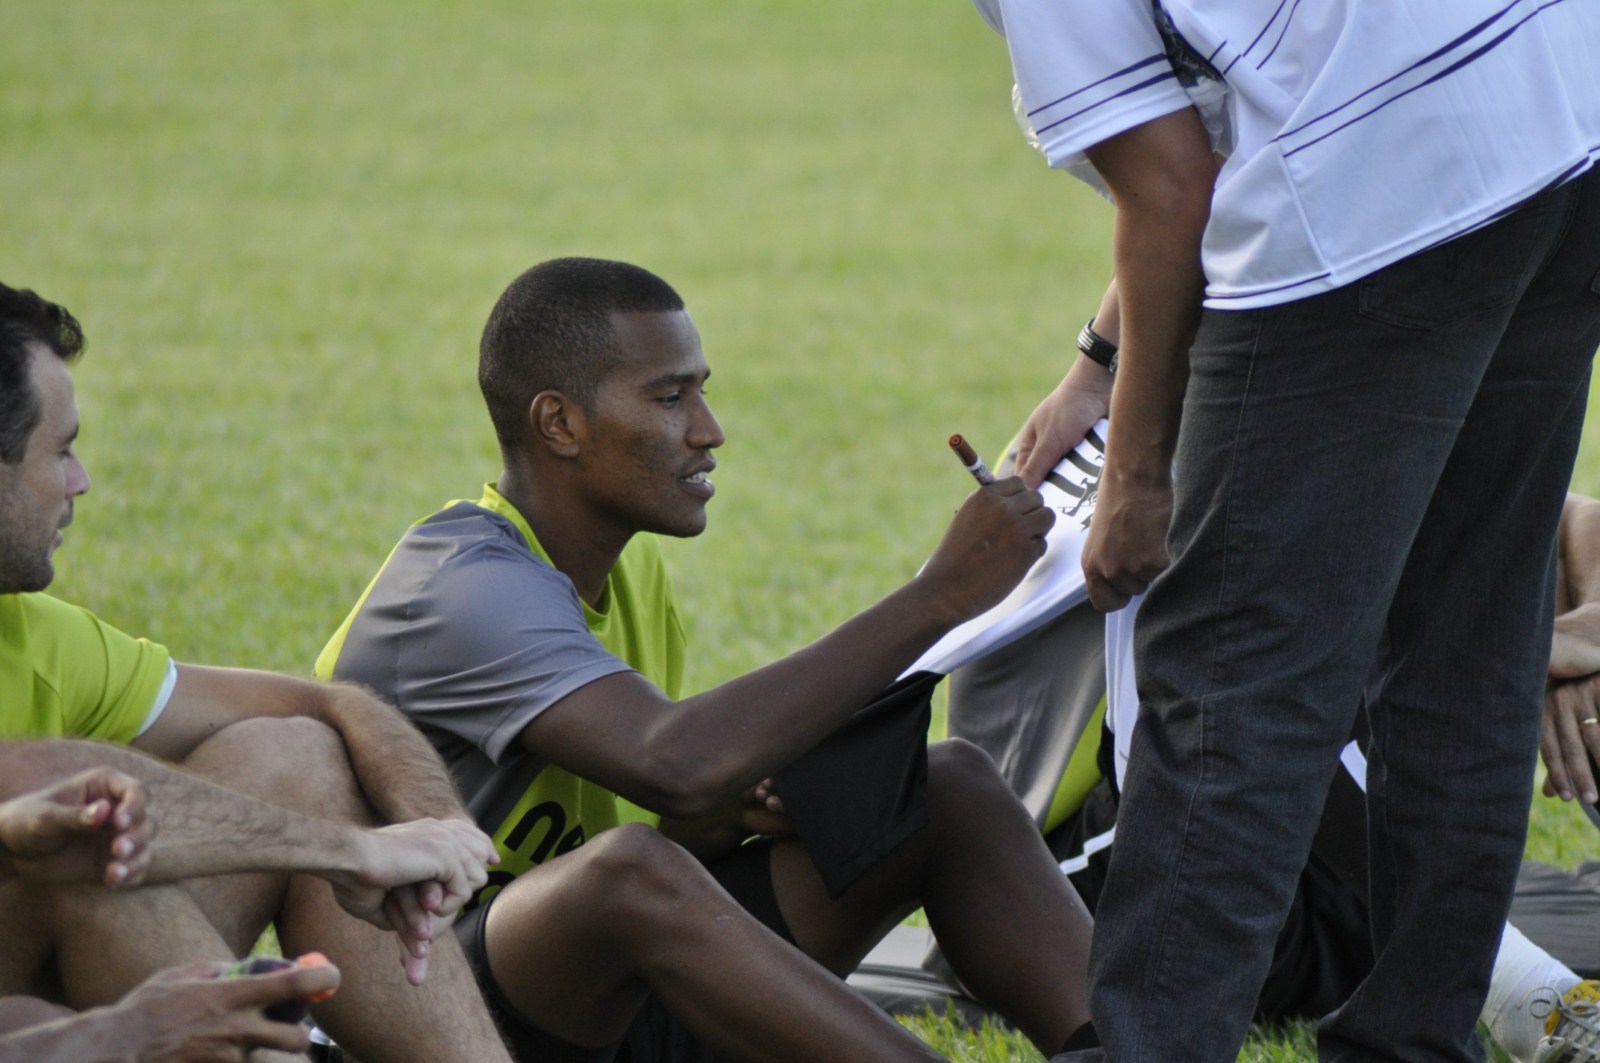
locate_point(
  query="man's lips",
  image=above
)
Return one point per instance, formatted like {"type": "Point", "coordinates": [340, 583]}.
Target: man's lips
{"type": "Point", "coordinates": [698, 482]}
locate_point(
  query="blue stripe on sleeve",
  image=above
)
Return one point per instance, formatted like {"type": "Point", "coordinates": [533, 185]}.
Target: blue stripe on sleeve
{"type": "Point", "coordinates": [1168, 75]}
{"type": "Point", "coordinates": [1157, 58]}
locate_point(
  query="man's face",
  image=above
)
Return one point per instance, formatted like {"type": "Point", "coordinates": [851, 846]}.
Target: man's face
{"type": "Point", "coordinates": [648, 451]}
{"type": "Point", "coordinates": [36, 493]}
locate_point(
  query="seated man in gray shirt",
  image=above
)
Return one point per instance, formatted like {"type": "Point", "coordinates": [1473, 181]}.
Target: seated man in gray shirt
{"type": "Point", "coordinates": [532, 634]}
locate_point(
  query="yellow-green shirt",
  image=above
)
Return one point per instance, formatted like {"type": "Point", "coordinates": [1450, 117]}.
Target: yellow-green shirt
{"type": "Point", "coordinates": [66, 673]}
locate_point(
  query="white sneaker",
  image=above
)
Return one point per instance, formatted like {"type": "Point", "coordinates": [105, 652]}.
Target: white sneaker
{"type": "Point", "coordinates": [1571, 1025]}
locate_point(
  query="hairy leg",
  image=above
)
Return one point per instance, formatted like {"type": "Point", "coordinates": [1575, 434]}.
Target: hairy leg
{"type": "Point", "coordinates": [86, 946]}
{"type": "Point", "coordinates": [577, 943]}
{"type": "Point", "coordinates": [376, 1015]}
{"type": "Point", "coordinates": [1010, 923]}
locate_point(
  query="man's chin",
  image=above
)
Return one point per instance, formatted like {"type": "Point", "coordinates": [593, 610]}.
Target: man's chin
{"type": "Point", "coordinates": [27, 582]}
{"type": "Point", "coordinates": [685, 533]}
{"type": "Point", "coordinates": [681, 528]}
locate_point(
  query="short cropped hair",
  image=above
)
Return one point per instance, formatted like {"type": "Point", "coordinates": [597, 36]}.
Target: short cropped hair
{"type": "Point", "coordinates": [27, 320]}
{"type": "Point", "coordinates": [551, 330]}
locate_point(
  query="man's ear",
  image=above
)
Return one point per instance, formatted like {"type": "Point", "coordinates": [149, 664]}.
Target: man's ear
{"type": "Point", "coordinates": [558, 422]}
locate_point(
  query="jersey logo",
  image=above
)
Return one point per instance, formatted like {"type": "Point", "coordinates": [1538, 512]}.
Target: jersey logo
{"type": "Point", "coordinates": [538, 835]}
{"type": "Point", "coordinates": [1084, 484]}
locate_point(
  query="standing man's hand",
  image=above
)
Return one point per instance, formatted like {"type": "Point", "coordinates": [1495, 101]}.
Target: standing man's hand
{"type": "Point", "coordinates": [1126, 548]}
{"type": "Point", "coordinates": [92, 827]}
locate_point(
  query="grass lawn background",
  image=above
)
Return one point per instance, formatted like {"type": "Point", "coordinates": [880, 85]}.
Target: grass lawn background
{"type": "Point", "coordinates": [284, 224]}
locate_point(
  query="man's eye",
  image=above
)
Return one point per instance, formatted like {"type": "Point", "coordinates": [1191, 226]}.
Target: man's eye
{"type": "Point", "coordinates": [672, 399]}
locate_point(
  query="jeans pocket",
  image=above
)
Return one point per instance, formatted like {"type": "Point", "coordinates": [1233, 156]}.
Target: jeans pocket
{"type": "Point", "coordinates": [1477, 273]}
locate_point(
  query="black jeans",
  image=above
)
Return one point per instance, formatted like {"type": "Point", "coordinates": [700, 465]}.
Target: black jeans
{"type": "Point", "coordinates": [1368, 486]}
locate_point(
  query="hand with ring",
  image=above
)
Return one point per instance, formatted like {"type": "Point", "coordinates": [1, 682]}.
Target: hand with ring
{"type": "Point", "coordinates": [1570, 740]}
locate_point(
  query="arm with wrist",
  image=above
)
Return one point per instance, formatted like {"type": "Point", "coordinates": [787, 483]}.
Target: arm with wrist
{"type": "Point", "coordinates": [399, 772]}
{"type": "Point", "coordinates": [204, 829]}
{"type": "Point", "coordinates": [686, 758]}
{"type": "Point", "coordinates": [1161, 175]}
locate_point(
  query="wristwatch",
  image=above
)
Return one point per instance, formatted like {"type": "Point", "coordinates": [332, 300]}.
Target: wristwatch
{"type": "Point", "coordinates": [1097, 348]}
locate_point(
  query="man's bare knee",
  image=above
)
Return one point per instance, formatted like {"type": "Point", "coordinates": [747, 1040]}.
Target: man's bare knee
{"type": "Point", "coordinates": [633, 872]}
{"type": "Point", "coordinates": [962, 780]}
{"type": "Point", "coordinates": [51, 920]}
{"type": "Point", "coordinates": [957, 762]}
{"type": "Point", "coordinates": [294, 762]}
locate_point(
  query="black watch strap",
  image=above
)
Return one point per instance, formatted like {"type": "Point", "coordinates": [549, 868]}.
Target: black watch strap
{"type": "Point", "coordinates": [1097, 348]}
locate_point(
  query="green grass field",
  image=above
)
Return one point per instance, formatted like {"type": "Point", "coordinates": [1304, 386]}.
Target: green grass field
{"type": "Point", "coordinates": [283, 225]}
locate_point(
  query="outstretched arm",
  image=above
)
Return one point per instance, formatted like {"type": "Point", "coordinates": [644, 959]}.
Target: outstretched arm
{"type": "Point", "coordinates": [1570, 736]}
{"type": "Point", "coordinates": [179, 1015]}
{"type": "Point", "coordinates": [684, 758]}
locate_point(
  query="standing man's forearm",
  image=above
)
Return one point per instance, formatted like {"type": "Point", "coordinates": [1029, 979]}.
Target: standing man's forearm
{"type": "Point", "coordinates": [1161, 176]}
{"type": "Point", "coordinates": [1160, 220]}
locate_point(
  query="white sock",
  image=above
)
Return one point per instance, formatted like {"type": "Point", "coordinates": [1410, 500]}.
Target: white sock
{"type": "Point", "coordinates": [1520, 967]}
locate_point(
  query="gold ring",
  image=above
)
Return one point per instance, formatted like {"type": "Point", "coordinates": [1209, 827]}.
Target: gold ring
{"type": "Point", "coordinates": [1590, 720]}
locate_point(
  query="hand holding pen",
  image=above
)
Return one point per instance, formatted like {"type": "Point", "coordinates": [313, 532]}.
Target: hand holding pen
{"type": "Point", "coordinates": [995, 537]}
{"type": "Point", "coordinates": [969, 457]}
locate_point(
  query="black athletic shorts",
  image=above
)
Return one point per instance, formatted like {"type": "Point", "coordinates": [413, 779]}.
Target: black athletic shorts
{"type": "Point", "coordinates": [1323, 951]}
{"type": "Point", "coordinates": [655, 1036]}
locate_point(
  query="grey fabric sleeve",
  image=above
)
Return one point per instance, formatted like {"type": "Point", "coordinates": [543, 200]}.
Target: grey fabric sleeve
{"type": "Point", "coordinates": [474, 638]}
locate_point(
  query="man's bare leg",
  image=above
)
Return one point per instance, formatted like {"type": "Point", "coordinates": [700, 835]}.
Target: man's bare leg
{"type": "Point", "coordinates": [1010, 923]}
{"type": "Point", "coordinates": [377, 1015]}
{"type": "Point", "coordinates": [578, 943]}
{"type": "Point", "coordinates": [85, 946]}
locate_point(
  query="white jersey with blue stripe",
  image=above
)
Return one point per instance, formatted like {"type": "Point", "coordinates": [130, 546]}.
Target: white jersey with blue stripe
{"type": "Point", "coordinates": [1358, 132]}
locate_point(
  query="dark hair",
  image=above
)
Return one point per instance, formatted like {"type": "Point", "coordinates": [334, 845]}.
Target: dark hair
{"type": "Point", "coordinates": [27, 320]}
{"type": "Point", "coordinates": [551, 330]}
